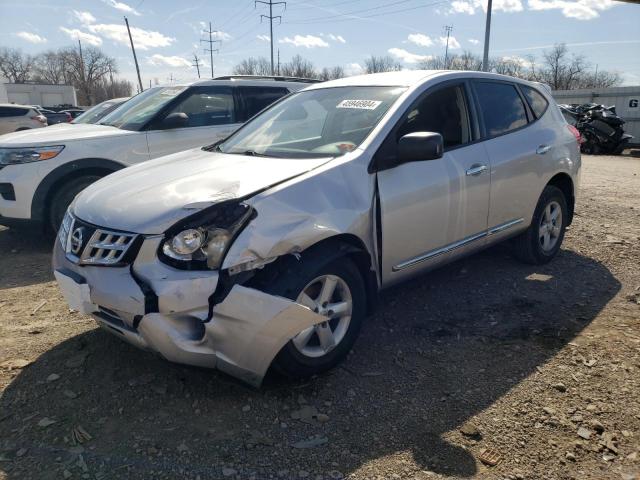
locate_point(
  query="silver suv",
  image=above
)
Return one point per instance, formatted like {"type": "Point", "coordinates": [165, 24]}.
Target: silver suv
{"type": "Point", "coordinates": [268, 248]}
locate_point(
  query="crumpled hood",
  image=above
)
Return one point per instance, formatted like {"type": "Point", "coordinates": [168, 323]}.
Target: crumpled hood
{"type": "Point", "coordinates": [150, 197]}
{"type": "Point", "coordinates": [59, 134]}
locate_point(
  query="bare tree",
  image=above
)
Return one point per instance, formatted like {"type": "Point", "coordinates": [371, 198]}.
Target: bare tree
{"type": "Point", "coordinates": [253, 66]}
{"type": "Point", "coordinates": [331, 73]}
{"type": "Point", "coordinates": [560, 70]}
{"type": "Point", "coordinates": [107, 89]}
{"type": "Point", "coordinates": [49, 67]}
{"type": "Point", "coordinates": [298, 66]}
{"type": "Point", "coordinates": [16, 66]}
{"type": "Point", "coordinates": [375, 64]}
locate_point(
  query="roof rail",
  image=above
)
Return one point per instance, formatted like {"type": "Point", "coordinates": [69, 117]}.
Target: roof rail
{"type": "Point", "coordinates": [277, 78]}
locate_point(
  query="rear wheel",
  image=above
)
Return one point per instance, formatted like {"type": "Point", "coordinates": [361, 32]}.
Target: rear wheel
{"type": "Point", "coordinates": [336, 291]}
{"type": "Point", "coordinates": [63, 197]}
{"type": "Point", "coordinates": [542, 240]}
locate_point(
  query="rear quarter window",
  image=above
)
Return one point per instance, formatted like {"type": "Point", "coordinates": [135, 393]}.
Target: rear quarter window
{"type": "Point", "coordinates": [501, 107]}
{"type": "Point", "coordinates": [259, 98]}
{"type": "Point", "coordinates": [536, 100]}
{"type": "Point", "coordinates": [12, 111]}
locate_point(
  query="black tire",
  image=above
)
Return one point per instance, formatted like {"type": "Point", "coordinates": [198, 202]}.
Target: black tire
{"type": "Point", "coordinates": [527, 247]}
{"type": "Point", "coordinates": [63, 197]}
{"type": "Point", "coordinates": [290, 361]}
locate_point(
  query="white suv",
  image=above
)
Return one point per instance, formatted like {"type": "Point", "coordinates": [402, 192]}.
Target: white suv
{"type": "Point", "coordinates": [42, 171]}
{"type": "Point", "coordinates": [16, 118]}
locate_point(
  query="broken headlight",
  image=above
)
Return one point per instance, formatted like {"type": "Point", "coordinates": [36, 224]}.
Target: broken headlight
{"type": "Point", "coordinates": [200, 242]}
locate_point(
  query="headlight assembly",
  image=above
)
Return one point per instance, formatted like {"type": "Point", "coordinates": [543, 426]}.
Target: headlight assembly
{"type": "Point", "coordinates": [200, 242]}
{"type": "Point", "coordinates": [14, 156]}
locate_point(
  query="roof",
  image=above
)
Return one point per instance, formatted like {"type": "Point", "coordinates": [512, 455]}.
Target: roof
{"type": "Point", "coordinates": [15, 105]}
{"type": "Point", "coordinates": [247, 80]}
{"type": "Point", "coordinates": [403, 78]}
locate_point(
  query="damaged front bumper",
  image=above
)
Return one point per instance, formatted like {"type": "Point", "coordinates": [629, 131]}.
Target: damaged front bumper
{"type": "Point", "coordinates": [169, 311]}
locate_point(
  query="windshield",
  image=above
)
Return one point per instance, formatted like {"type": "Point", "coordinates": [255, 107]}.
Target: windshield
{"type": "Point", "coordinates": [96, 112]}
{"type": "Point", "coordinates": [325, 122]}
{"type": "Point", "coordinates": [133, 114]}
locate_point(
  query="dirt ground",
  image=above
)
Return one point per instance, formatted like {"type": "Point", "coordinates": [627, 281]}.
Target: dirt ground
{"type": "Point", "coordinates": [538, 368]}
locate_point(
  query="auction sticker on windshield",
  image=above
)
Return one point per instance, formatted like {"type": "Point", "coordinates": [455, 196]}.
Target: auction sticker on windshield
{"type": "Point", "coordinates": [359, 104]}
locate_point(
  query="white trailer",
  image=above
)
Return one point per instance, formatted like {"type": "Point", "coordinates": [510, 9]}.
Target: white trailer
{"type": "Point", "coordinates": [625, 99]}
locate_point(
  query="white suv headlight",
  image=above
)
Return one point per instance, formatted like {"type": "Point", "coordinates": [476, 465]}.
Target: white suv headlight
{"type": "Point", "coordinates": [14, 156]}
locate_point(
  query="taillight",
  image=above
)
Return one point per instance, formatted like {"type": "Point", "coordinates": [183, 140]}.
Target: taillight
{"type": "Point", "coordinates": [40, 118]}
{"type": "Point", "coordinates": [576, 133]}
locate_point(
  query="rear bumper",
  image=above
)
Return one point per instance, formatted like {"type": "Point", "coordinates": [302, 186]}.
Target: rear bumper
{"type": "Point", "coordinates": [168, 311]}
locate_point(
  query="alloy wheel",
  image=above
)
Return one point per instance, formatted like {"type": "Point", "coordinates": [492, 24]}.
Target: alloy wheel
{"type": "Point", "coordinates": [550, 226]}
{"type": "Point", "coordinates": [329, 296]}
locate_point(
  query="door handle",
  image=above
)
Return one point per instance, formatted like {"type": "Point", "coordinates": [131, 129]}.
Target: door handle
{"type": "Point", "coordinates": [542, 149]}
{"type": "Point", "coordinates": [476, 170]}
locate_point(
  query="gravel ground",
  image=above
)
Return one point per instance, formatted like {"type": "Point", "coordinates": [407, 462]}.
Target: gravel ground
{"type": "Point", "coordinates": [536, 369]}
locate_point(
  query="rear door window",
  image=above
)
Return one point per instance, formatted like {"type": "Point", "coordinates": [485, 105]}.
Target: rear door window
{"type": "Point", "coordinates": [256, 99]}
{"type": "Point", "coordinates": [501, 107]}
{"type": "Point", "coordinates": [536, 100]}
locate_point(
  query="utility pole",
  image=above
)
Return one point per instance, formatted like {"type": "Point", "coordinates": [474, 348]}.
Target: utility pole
{"type": "Point", "coordinates": [196, 63]}
{"type": "Point", "coordinates": [448, 29]}
{"type": "Point", "coordinates": [278, 61]}
{"type": "Point", "coordinates": [487, 34]}
{"type": "Point", "coordinates": [211, 41]}
{"type": "Point", "coordinates": [271, 3]}
{"type": "Point", "coordinates": [135, 59]}
{"type": "Point", "coordinates": [84, 84]}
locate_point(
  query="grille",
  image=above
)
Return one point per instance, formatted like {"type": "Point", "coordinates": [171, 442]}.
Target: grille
{"type": "Point", "coordinates": [86, 244]}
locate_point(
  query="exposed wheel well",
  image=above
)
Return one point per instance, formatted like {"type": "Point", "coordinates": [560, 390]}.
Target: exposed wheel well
{"type": "Point", "coordinates": [342, 245]}
{"type": "Point", "coordinates": [565, 184]}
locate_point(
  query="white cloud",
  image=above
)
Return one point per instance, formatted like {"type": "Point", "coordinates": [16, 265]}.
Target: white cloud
{"type": "Point", "coordinates": [85, 37]}
{"type": "Point", "coordinates": [453, 42]}
{"type": "Point", "coordinates": [420, 39]}
{"type": "Point", "coordinates": [460, 6]}
{"type": "Point", "coordinates": [173, 61]}
{"type": "Point", "coordinates": [219, 35]}
{"type": "Point", "coordinates": [516, 59]}
{"type": "Point", "coordinates": [264, 38]}
{"type": "Point", "coordinates": [123, 7]}
{"type": "Point", "coordinates": [578, 9]}
{"type": "Point", "coordinates": [408, 57]}
{"type": "Point", "coordinates": [474, 41]}
{"type": "Point", "coordinates": [307, 41]}
{"type": "Point", "coordinates": [471, 6]}
{"type": "Point", "coordinates": [143, 39]}
{"type": "Point", "coordinates": [84, 17]}
{"type": "Point", "coordinates": [353, 69]}
{"type": "Point", "coordinates": [31, 37]}
{"type": "Point", "coordinates": [337, 38]}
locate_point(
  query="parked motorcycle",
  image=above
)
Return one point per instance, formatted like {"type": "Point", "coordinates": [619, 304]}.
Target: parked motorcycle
{"type": "Point", "coordinates": [600, 127]}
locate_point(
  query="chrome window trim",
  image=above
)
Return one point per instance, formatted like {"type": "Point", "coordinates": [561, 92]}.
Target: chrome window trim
{"type": "Point", "coordinates": [455, 245]}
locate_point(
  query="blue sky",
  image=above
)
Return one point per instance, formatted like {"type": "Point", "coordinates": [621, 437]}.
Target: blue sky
{"type": "Point", "coordinates": [327, 32]}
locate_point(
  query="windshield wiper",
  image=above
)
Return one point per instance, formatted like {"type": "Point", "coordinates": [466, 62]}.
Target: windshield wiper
{"type": "Point", "coordinates": [253, 153]}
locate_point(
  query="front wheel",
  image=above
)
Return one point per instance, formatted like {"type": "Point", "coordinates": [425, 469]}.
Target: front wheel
{"type": "Point", "coordinates": [336, 291]}
{"type": "Point", "coordinates": [541, 241]}
{"type": "Point", "coordinates": [63, 197]}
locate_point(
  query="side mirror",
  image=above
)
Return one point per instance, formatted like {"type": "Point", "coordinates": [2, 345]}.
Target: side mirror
{"type": "Point", "coordinates": [418, 146]}
{"type": "Point", "coordinates": [175, 120]}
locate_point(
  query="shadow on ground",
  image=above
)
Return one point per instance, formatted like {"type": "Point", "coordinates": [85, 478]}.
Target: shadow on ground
{"type": "Point", "coordinates": [33, 248]}
{"type": "Point", "coordinates": [439, 350]}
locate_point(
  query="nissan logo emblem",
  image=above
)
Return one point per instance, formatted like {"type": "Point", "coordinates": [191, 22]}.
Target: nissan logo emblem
{"type": "Point", "coordinates": [76, 241]}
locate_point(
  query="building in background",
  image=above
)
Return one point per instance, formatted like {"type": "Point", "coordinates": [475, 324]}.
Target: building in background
{"type": "Point", "coordinates": [39, 94]}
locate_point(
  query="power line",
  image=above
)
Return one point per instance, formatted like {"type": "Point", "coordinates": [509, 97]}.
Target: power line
{"type": "Point", "coordinates": [271, 17]}
{"type": "Point", "coordinates": [363, 17]}
{"type": "Point", "coordinates": [211, 41]}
